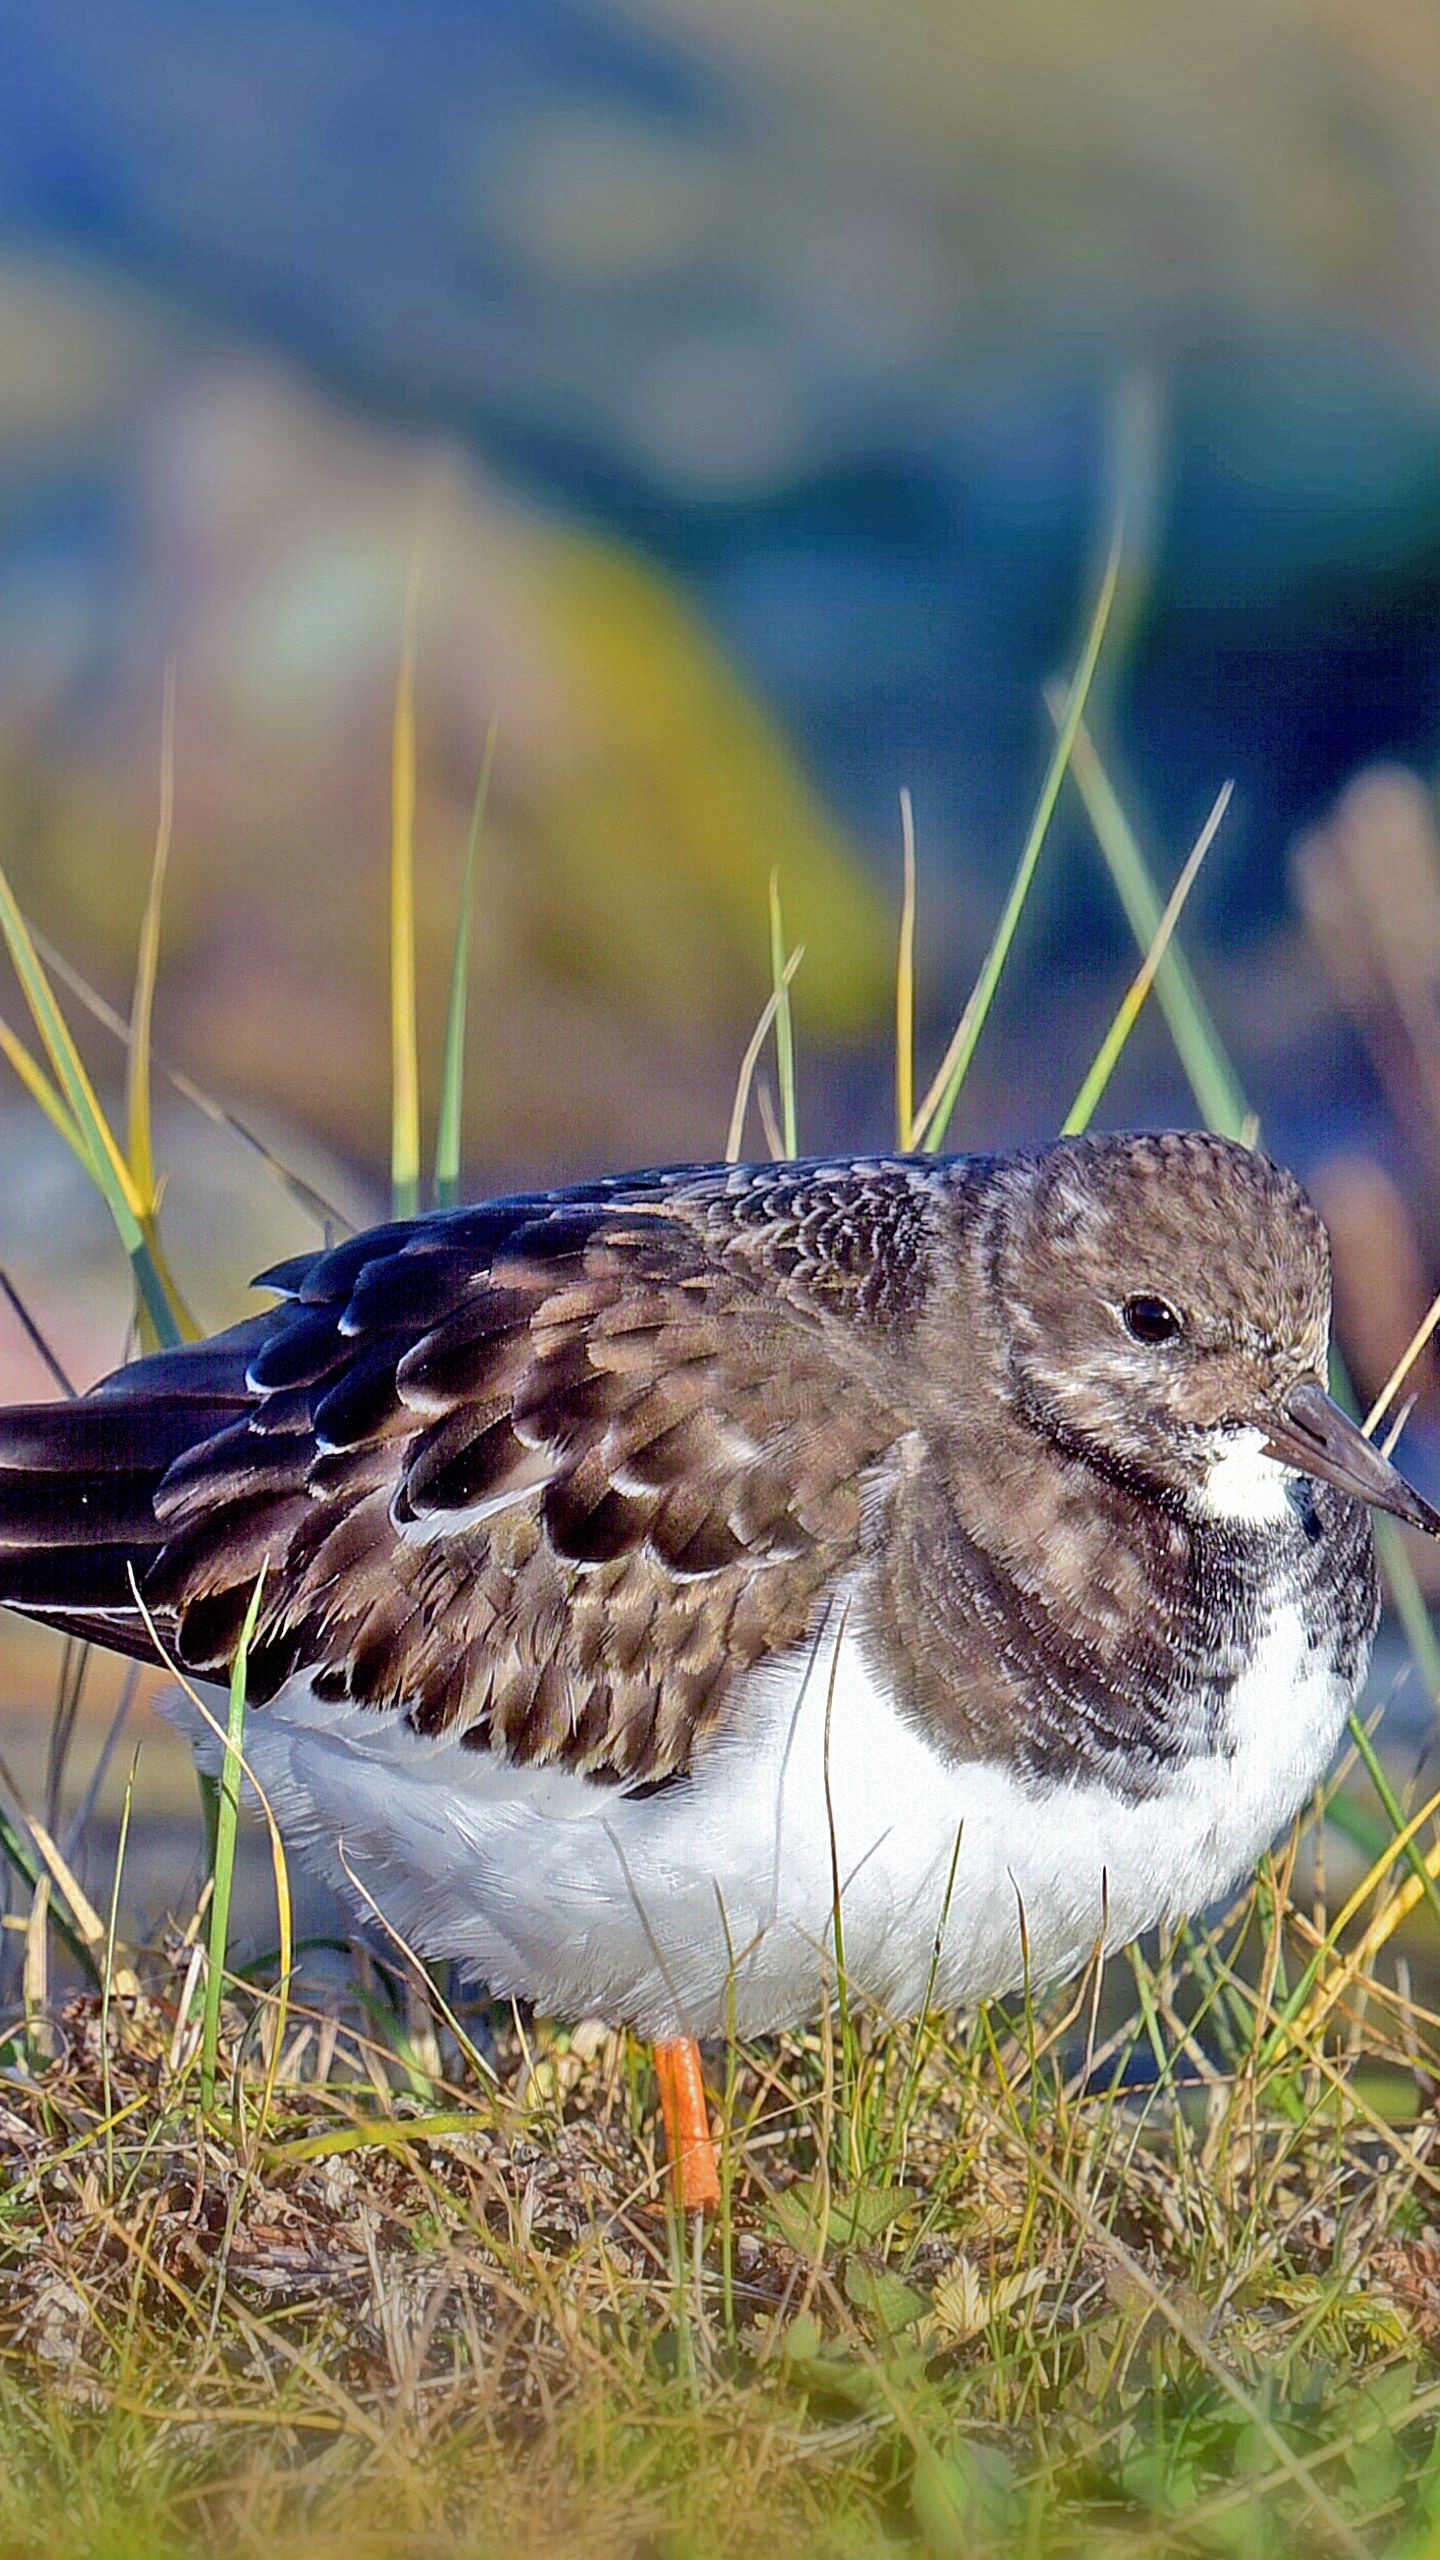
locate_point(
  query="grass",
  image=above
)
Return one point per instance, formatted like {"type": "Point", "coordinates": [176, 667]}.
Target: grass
{"type": "Point", "coordinates": [1159, 2283]}
{"type": "Point", "coordinates": [1150, 2264]}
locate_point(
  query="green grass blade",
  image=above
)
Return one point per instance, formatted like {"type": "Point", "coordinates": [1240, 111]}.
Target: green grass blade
{"type": "Point", "coordinates": [285, 1924]}
{"type": "Point", "coordinates": [1410, 1606]}
{"type": "Point", "coordinates": [30, 1867]}
{"type": "Point", "coordinates": [1197, 1042]}
{"type": "Point", "coordinates": [1223, 1105]}
{"type": "Point", "coordinates": [209, 1792]}
{"type": "Point", "coordinates": [1107, 1057]}
{"type": "Point", "coordinates": [404, 1035]}
{"type": "Point", "coordinates": [314, 1202]}
{"type": "Point", "coordinates": [452, 1088]}
{"type": "Point", "coordinates": [165, 1317]}
{"type": "Point", "coordinates": [1420, 1636]}
{"type": "Point", "coordinates": [109, 1169]}
{"type": "Point", "coordinates": [106, 1164]}
{"type": "Point", "coordinates": [139, 1129]}
{"type": "Point", "coordinates": [784, 1022]}
{"type": "Point", "coordinates": [1375, 1770]}
{"type": "Point", "coordinates": [107, 1980]}
{"type": "Point", "coordinates": [226, 1829]}
{"type": "Point", "coordinates": [938, 1107]}
{"type": "Point", "coordinates": [1360, 1827]}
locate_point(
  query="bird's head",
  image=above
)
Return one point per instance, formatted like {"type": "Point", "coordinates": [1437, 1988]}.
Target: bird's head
{"type": "Point", "coordinates": [1165, 1305]}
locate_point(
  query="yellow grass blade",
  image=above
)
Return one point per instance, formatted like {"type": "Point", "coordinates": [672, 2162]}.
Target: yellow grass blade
{"type": "Point", "coordinates": [40, 1089]}
{"type": "Point", "coordinates": [1197, 1042]}
{"type": "Point", "coordinates": [35, 1981]}
{"type": "Point", "coordinates": [147, 962]}
{"type": "Point", "coordinates": [110, 1169]}
{"type": "Point", "coordinates": [105, 1163]}
{"type": "Point", "coordinates": [314, 1202]}
{"type": "Point", "coordinates": [905, 986]}
{"type": "Point", "coordinates": [82, 1910]}
{"type": "Point", "coordinates": [1403, 1367]}
{"type": "Point", "coordinates": [1086, 1103]}
{"type": "Point", "coordinates": [934, 1116]}
{"type": "Point", "coordinates": [735, 1134]}
{"type": "Point", "coordinates": [377, 2133]}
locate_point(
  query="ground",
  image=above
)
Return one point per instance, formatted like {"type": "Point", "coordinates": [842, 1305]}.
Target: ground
{"type": "Point", "coordinates": [1157, 2267]}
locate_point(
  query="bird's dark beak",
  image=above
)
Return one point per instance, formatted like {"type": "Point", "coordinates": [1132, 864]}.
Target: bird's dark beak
{"type": "Point", "coordinates": [1311, 1433]}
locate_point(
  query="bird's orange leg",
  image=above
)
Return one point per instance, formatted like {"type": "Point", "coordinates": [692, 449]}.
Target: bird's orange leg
{"type": "Point", "coordinates": [693, 2164]}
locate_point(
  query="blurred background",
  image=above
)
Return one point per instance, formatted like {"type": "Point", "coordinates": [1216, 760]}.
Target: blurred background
{"type": "Point", "coordinates": [749, 392]}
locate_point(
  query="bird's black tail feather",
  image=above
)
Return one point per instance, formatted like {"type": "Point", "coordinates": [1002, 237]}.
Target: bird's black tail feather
{"type": "Point", "coordinates": [78, 1480]}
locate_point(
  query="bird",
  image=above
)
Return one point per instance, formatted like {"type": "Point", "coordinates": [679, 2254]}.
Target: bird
{"type": "Point", "coordinates": [674, 1587]}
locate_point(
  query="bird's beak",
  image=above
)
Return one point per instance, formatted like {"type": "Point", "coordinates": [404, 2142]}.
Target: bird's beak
{"type": "Point", "coordinates": [1312, 1434]}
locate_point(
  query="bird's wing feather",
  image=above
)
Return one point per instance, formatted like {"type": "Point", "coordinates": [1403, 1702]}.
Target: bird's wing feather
{"type": "Point", "coordinates": [545, 1476]}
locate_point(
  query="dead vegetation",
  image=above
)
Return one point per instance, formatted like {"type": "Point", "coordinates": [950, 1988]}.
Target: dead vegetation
{"type": "Point", "coordinates": [1159, 2269]}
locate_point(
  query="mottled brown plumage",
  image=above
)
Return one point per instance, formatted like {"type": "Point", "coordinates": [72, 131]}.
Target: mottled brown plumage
{"type": "Point", "coordinates": [545, 1476]}
{"type": "Point", "coordinates": [551, 1474]}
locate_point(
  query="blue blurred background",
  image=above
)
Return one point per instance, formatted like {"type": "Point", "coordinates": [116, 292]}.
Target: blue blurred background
{"type": "Point", "coordinates": [753, 389]}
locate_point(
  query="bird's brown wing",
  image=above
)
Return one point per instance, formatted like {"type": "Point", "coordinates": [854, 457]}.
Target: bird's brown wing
{"type": "Point", "coordinates": [544, 1477]}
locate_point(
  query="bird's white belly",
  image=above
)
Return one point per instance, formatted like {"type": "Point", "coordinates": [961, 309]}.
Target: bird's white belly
{"type": "Point", "coordinates": [709, 1905]}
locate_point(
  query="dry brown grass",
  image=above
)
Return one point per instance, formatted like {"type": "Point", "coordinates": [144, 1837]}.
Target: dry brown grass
{"type": "Point", "coordinates": [1149, 2266]}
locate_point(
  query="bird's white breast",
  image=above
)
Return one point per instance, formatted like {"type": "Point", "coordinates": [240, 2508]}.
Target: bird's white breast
{"type": "Point", "coordinates": [709, 1904]}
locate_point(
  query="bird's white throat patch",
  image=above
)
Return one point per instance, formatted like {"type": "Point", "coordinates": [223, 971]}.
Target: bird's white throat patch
{"type": "Point", "coordinates": [1245, 1483]}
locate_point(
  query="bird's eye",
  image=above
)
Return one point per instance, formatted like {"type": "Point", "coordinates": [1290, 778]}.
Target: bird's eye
{"type": "Point", "coordinates": [1152, 1320]}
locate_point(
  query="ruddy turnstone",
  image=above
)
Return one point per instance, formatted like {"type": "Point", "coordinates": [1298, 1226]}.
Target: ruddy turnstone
{"type": "Point", "coordinates": [648, 1561]}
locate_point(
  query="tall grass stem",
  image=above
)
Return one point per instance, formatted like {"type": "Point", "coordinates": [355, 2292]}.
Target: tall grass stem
{"type": "Point", "coordinates": [937, 1109]}
{"type": "Point", "coordinates": [1107, 1057]}
{"type": "Point", "coordinates": [905, 984]}
{"type": "Point", "coordinates": [226, 1833]}
{"type": "Point", "coordinates": [784, 1024]}
{"type": "Point", "coordinates": [139, 1128]}
{"type": "Point", "coordinates": [404, 1034]}
{"type": "Point", "coordinates": [448, 1136]}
